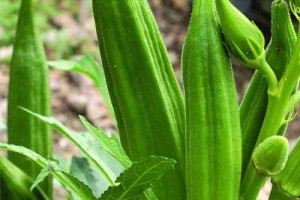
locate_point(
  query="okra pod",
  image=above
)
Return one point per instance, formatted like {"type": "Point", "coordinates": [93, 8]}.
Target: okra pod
{"type": "Point", "coordinates": [213, 137]}
{"type": "Point", "coordinates": [278, 54]}
{"type": "Point", "coordinates": [29, 88]}
{"type": "Point", "coordinates": [145, 95]}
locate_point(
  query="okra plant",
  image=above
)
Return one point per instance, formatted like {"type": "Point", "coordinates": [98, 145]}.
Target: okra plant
{"type": "Point", "coordinates": [199, 143]}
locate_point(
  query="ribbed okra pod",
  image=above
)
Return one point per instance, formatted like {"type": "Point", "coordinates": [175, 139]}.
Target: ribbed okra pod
{"type": "Point", "coordinates": [28, 88]}
{"type": "Point", "coordinates": [213, 137]}
{"type": "Point", "coordinates": [145, 95]}
{"type": "Point", "coordinates": [278, 54]}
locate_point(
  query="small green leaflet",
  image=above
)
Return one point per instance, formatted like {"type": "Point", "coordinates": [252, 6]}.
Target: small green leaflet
{"type": "Point", "coordinates": [110, 144]}
{"type": "Point", "coordinates": [71, 183]}
{"type": "Point", "coordinates": [44, 173]}
{"type": "Point", "coordinates": [139, 177]}
{"type": "Point", "coordinates": [87, 66]}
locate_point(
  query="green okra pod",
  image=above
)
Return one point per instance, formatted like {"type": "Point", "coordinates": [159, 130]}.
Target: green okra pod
{"type": "Point", "coordinates": [213, 137]}
{"type": "Point", "coordinates": [29, 88]}
{"type": "Point", "coordinates": [278, 54]}
{"type": "Point", "coordinates": [145, 95]}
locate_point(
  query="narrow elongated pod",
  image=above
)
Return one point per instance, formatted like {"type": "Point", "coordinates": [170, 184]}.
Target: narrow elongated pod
{"type": "Point", "coordinates": [146, 98]}
{"type": "Point", "coordinates": [28, 88]}
{"type": "Point", "coordinates": [278, 54]}
{"type": "Point", "coordinates": [213, 137]}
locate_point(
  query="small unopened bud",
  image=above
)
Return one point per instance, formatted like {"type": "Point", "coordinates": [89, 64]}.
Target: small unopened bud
{"type": "Point", "coordinates": [270, 157]}
{"type": "Point", "coordinates": [244, 40]}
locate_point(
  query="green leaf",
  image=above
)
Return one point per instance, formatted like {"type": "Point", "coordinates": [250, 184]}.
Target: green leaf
{"type": "Point", "coordinates": [110, 144]}
{"type": "Point", "coordinates": [139, 177]}
{"type": "Point", "coordinates": [87, 66]}
{"type": "Point", "coordinates": [42, 175]}
{"type": "Point", "coordinates": [106, 164]}
{"type": "Point", "coordinates": [71, 183]}
{"type": "Point", "coordinates": [88, 174]}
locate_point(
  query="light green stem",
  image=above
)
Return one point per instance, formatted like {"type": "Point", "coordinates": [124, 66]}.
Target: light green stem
{"type": "Point", "coordinates": [276, 110]}
{"type": "Point", "coordinates": [270, 76]}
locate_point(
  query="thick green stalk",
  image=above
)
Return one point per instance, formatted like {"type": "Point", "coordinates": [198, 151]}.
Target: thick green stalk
{"type": "Point", "coordinates": [276, 110]}
{"type": "Point", "coordinates": [28, 88]}
{"type": "Point", "coordinates": [278, 54]}
{"type": "Point", "coordinates": [213, 139]}
{"type": "Point", "coordinates": [145, 94]}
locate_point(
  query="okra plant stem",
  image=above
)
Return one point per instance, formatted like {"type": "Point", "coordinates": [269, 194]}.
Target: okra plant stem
{"type": "Point", "coordinates": [276, 111]}
{"type": "Point", "coordinates": [270, 76]}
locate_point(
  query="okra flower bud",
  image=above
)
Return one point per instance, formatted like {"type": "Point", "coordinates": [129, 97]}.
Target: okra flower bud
{"type": "Point", "coordinates": [271, 155]}
{"type": "Point", "coordinates": [245, 41]}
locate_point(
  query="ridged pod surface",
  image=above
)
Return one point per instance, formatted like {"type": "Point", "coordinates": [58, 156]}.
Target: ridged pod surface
{"type": "Point", "coordinates": [145, 94]}
{"type": "Point", "coordinates": [29, 88]}
{"type": "Point", "coordinates": [213, 137]}
{"type": "Point", "coordinates": [255, 101]}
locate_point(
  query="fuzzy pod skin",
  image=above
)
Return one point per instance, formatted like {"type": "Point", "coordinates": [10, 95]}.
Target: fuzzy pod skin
{"type": "Point", "coordinates": [145, 95]}
{"type": "Point", "coordinates": [278, 54]}
{"type": "Point", "coordinates": [29, 88]}
{"type": "Point", "coordinates": [213, 137]}
{"type": "Point", "coordinates": [288, 180]}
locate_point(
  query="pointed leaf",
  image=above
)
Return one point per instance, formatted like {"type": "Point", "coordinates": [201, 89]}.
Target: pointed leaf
{"type": "Point", "coordinates": [81, 190]}
{"type": "Point", "coordinates": [90, 68]}
{"type": "Point", "coordinates": [41, 177]}
{"type": "Point", "coordinates": [110, 144]}
{"type": "Point", "coordinates": [139, 177]}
